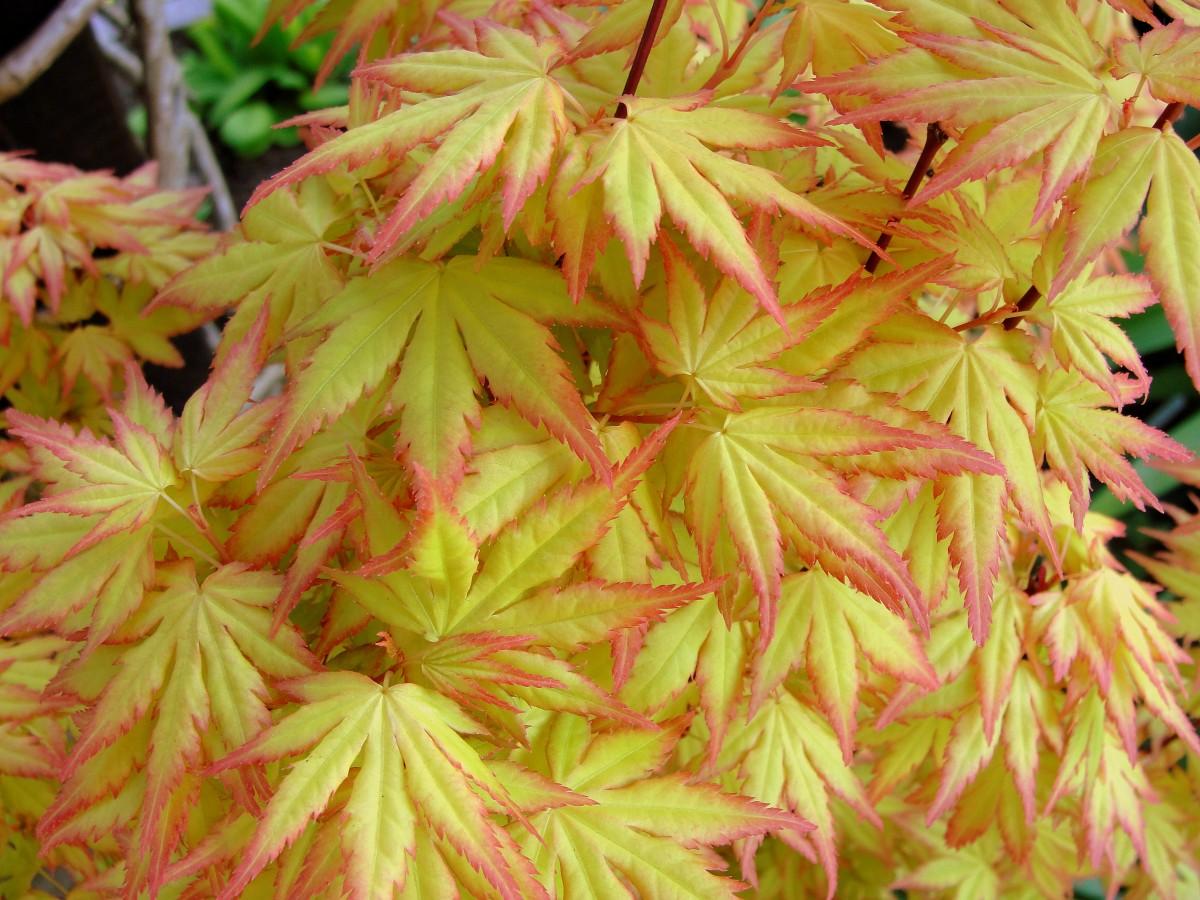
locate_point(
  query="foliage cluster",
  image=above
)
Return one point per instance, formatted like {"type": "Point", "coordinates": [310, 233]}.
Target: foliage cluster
{"type": "Point", "coordinates": [667, 499]}
{"type": "Point", "coordinates": [81, 255]}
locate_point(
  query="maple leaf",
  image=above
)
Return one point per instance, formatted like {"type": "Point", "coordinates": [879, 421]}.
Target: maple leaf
{"type": "Point", "coordinates": [1113, 787]}
{"type": "Point", "coordinates": [94, 530]}
{"type": "Point", "coordinates": [1083, 334]}
{"type": "Point", "coordinates": [660, 157]}
{"type": "Point", "coordinates": [1077, 435]}
{"type": "Point", "coordinates": [630, 824]}
{"type": "Point", "coordinates": [721, 345]}
{"type": "Point", "coordinates": [952, 378]}
{"type": "Point", "coordinates": [415, 773]}
{"type": "Point", "coordinates": [216, 440]}
{"type": "Point", "coordinates": [821, 622]}
{"type": "Point", "coordinates": [764, 475]}
{"type": "Point", "coordinates": [623, 24]}
{"type": "Point", "coordinates": [861, 30]}
{"type": "Point", "coordinates": [497, 105]}
{"type": "Point", "coordinates": [1018, 103]}
{"type": "Point", "coordinates": [1164, 58]}
{"type": "Point", "coordinates": [788, 756]}
{"type": "Point", "coordinates": [279, 260]}
{"type": "Point", "coordinates": [465, 318]}
{"type": "Point", "coordinates": [200, 666]}
{"type": "Point", "coordinates": [452, 624]}
{"type": "Point", "coordinates": [1105, 619]}
{"type": "Point", "coordinates": [354, 22]}
{"type": "Point", "coordinates": [1170, 236]}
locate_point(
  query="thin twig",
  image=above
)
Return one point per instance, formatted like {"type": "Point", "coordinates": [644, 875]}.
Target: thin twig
{"type": "Point", "coordinates": [934, 138]}
{"type": "Point", "coordinates": [224, 212]}
{"type": "Point", "coordinates": [731, 63]}
{"type": "Point", "coordinates": [23, 65]}
{"type": "Point", "coordinates": [716, 12]}
{"type": "Point", "coordinates": [638, 67]}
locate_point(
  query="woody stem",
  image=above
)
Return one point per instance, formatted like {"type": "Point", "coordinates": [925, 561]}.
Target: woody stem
{"type": "Point", "coordinates": [934, 138]}
{"type": "Point", "coordinates": [643, 53]}
{"type": "Point", "coordinates": [1028, 299]}
{"type": "Point", "coordinates": [1170, 113]}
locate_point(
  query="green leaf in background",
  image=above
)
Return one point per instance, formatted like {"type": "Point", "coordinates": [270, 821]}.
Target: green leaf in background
{"type": "Point", "coordinates": [1150, 331]}
{"type": "Point", "coordinates": [248, 130]}
{"type": "Point", "coordinates": [241, 86]}
{"type": "Point", "coordinates": [237, 93]}
{"type": "Point", "coordinates": [328, 94]}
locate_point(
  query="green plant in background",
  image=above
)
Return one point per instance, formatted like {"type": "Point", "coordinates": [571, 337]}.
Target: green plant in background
{"type": "Point", "coordinates": [244, 83]}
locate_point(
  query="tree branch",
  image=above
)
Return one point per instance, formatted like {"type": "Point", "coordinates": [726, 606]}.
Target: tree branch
{"type": "Point", "coordinates": [643, 53]}
{"type": "Point", "coordinates": [166, 108]}
{"type": "Point", "coordinates": [24, 64]}
{"type": "Point", "coordinates": [131, 67]}
{"type": "Point", "coordinates": [934, 138]}
{"type": "Point", "coordinates": [1024, 305]}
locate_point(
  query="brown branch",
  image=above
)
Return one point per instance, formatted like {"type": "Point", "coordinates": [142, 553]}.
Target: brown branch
{"type": "Point", "coordinates": [934, 138]}
{"type": "Point", "coordinates": [128, 64]}
{"type": "Point", "coordinates": [23, 65]}
{"type": "Point", "coordinates": [1170, 113]}
{"type": "Point", "coordinates": [1024, 305]}
{"type": "Point", "coordinates": [166, 109]}
{"type": "Point", "coordinates": [638, 67]}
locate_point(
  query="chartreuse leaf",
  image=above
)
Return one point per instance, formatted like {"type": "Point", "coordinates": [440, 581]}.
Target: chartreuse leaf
{"type": "Point", "coordinates": [825, 625]}
{"type": "Point", "coordinates": [619, 829]}
{"type": "Point", "coordinates": [953, 378]}
{"type": "Point", "coordinates": [217, 441]}
{"type": "Point", "coordinates": [99, 521]}
{"type": "Point", "coordinates": [467, 619]}
{"type": "Point", "coordinates": [496, 105]}
{"type": "Point", "coordinates": [474, 320]}
{"type": "Point", "coordinates": [759, 472]}
{"type": "Point", "coordinates": [194, 684]}
{"type": "Point", "coordinates": [414, 773]}
{"type": "Point", "coordinates": [352, 22]}
{"type": "Point", "coordinates": [1164, 56]}
{"type": "Point", "coordinates": [1059, 106]}
{"type": "Point", "coordinates": [279, 262]}
{"type": "Point", "coordinates": [723, 346]}
{"type": "Point", "coordinates": [1171, 240]}
{"type": "Point", "coordinates": [788, 756]}
{"type": "Point", "coordinates": [661, 158]}
{"type": "Point", "coordinates": [1084, 334]}
{"type": "Point", "coordinates": [1078, 436]}
{"type": "Point", "coordinates": [540, 547]}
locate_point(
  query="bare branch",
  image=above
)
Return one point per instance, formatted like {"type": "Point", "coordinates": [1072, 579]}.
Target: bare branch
{"type": "Point", "coordinates": [166, 109]}
{"type": "Point", "coordinates": [23, 65]}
